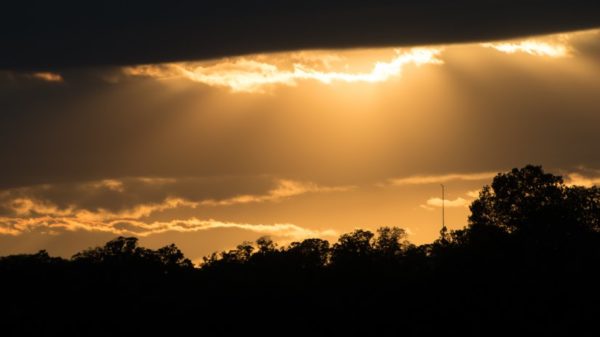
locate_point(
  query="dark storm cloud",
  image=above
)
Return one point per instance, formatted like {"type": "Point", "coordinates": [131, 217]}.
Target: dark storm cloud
{"type": "Point", "coordinates": [56, 34]}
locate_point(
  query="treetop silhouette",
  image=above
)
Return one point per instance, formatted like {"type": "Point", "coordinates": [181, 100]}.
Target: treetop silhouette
{"type": "Point", "coordinates": [527, 262]}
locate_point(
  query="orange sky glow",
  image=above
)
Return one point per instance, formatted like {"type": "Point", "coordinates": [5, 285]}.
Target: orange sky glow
{"type": "Point", "coordinates": [310, 143]}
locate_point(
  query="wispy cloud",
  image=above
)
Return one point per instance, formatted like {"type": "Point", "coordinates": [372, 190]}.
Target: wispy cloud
{"type": "Point", "coordinates": [473, 193]}
{"type": "Point", "coordinates": [439, 179]}
{"type": "Point", "coordinates": [28, 213]}
{"type": "Point", "coordinates": [29, 207]}
{"type": "Point", "coordinates": [284, 189]}
{"type": "Point", "coordinates": [437, 202]}
{"type": "Point", "coordinates": [109, 184]}
{"type": "Point", "coordinates": [156, 180]}
{"type": "Point", "coordinates": [18, 226]}
{"type": "Point", "coordinates": [141, 197]}
{"type": "Point", "coordinates": [532, 47]}
{"type": "Point", "coordinates": [552, 46]}
{"type": "Point", "coordinates": [254, 75]}
{"type": "Point", "coordinates": [47, 76]}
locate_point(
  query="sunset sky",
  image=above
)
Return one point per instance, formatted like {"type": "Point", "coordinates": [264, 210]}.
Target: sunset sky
{"type": "Point", "coordinates": [291, 140]}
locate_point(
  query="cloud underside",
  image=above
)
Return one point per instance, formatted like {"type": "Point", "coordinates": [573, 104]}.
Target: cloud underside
{"type": "Point", "coordinates": [29, 215]}
{"type": "Point", "coordinates": [26, 210]}
{"type": "Point", "coordinates": [258, 73]}
{"type": "Point", "coordinates": [33, 209]}
{"type": "Point", "coordinates": [151, 32]}
{"type": "Point", "coordinates": [52, 209]}
{"type": "Point", "coordinates": [54, 225]}
{"type": "Point", "coordinates": [135, 198]}
{"type": "Point", "coordinates": [262, 72]}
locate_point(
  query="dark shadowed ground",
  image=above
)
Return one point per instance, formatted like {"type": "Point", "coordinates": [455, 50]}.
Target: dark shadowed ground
{"type": "Point", "coordinates": [526, 264]}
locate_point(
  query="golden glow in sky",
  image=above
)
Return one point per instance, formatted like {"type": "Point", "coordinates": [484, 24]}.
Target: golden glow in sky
{"type": "Point", "coordinates": [251, 75]}
{"type": "Point", "coordinates": [531, 47]}
{"type": "Point", "coordinates": [297, 144]}
{"type": "Point", "coordinates": [260, 73]}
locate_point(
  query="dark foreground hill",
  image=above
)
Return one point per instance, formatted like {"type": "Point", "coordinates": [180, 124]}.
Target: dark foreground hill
{"type": "Point", "coordinates": [526, 264]}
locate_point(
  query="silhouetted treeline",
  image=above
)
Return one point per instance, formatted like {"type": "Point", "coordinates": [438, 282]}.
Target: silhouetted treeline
{"type": "Point", "coordinates": [527, 263]}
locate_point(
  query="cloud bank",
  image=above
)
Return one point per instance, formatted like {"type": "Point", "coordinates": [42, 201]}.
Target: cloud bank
{"type": "Point", "coordinates": [51, 35]}
{"type": "Point", "coordinates": [28, 210]}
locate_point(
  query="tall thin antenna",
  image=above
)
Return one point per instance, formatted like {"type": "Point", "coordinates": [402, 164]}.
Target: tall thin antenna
{"type": "Point", "coordinates": [443, 204]}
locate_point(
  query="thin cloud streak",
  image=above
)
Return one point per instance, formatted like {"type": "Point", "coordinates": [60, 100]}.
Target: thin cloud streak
{"type": "Point", "coordinates": [458, 202]}
{"type": "Point", "coordinates": [48, 76]}
{"type": "Point", "coordinates": [28, 207]}
{"type": "Point", "coordinates": [109, 184]}
{"type": "Point", "coordinates": [285, 189]}
{"type": "Point", "coordinates": [552, 46]}
{"type": "Point", "coordinates": [531, 47]}
{"type": "Point", "coordinates": [53, 225]}
{"type": "Point", "coordinates": [438, 179]}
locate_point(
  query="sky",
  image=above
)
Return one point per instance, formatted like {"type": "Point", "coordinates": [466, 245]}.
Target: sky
{"type": "Point", "coordinates": [294, 140]}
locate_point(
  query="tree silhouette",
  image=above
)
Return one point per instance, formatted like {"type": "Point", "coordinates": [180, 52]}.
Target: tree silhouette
{"type": "Point", "coordinates": [519, 200]}
{"type": "Point", "coordinates": [526, 263]}
{"type": "Point", "coordinates": [125, 252]}
{"type": "Point", "coordinates": [170, 256]}
{"type": "Point", "coordinates": [353, 248]}
{"type": "Point", "coordinates": [529, 202]}
{"type": "Point", "coordinates": [391, 241]}
{"type": "Point", "coordinates": [121, 248]}
{"type": "Point", "coordinates": [265, 245]}
{"type": "Point", "coordinates": [309, 254]}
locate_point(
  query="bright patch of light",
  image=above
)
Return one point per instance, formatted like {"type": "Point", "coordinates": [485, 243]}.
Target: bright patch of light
{"type": "Point", "coordinates": [47, 76]}
{"type": "Point", "coordinates": [531, 47]}
{"type": "Point", "coordinates": [254, 75]}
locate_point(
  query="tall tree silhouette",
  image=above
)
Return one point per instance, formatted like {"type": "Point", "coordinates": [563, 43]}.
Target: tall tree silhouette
{"type": "Point", "coordinates": [354, 248]}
